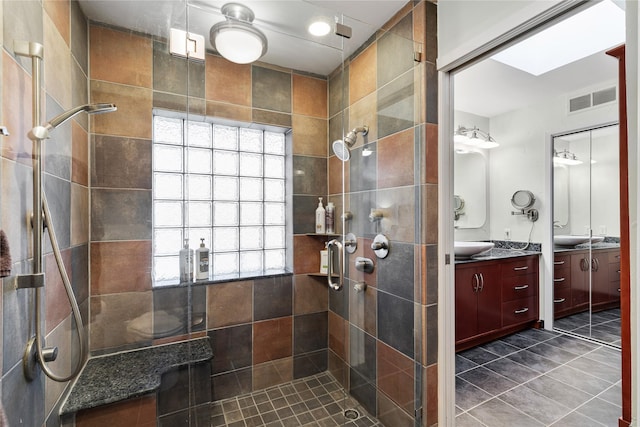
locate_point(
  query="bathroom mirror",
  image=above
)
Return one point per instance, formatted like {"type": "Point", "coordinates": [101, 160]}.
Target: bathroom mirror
{"type": "Point", "coordinates": [587, 233]}
{"type": "Point", "coordinates": [470, 186]}
{"type": "Point", "coordinates": [522, 199]}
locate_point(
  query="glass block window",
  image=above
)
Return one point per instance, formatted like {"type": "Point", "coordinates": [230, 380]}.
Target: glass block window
{"type": "Point", "coordinates": [225, 184]}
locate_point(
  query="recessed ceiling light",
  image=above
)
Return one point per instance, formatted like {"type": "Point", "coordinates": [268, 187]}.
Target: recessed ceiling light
{"type": "Point", "coordinates": [319, 28]}
{"type": "Point", "coordinates": [600, 27]}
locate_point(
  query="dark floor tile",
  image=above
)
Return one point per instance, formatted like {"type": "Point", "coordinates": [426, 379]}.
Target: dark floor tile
{"type": "Point", "coordinates": [575, 419]}
{"type": "Point", "coordinates": [558, 391]}
{"type": "Point", "coordinates": [613, 395]}
{"type": "Point", "coordinates": [496, 413]}
{"type": "Point", "coordinates": [519, 341]}
{"type": "Point", "coordinates": [533, 361]}
{"type": "Point", "coordinates": [466, 420]}
{"type": "Point", "coordinates": [464, 364]}
{"type": "Point", "coordinates": [488, 380]}
{"type": "Point", "coordinates": [597, 369]}
{"type": "Point", "coordinates": [535, 405]}
{"type": "Point", "coordinates": [605, 355]}
{"type": "Point", "coordinates": [601, 411]}
{"type": "Point", "coordinates": [468, 395]}
{"type": "Point", "coordinates": [499, 347]}
{"type": "Point", "coordinates": [572, 344]}
{"type": "Point", "coordinates": [580, 380]}
{"type": "Point", "coordinates": [538, 334]}
{"type": "Point", "coordinates": [554, 353]}
{"type": "Point", "coordinates": [479, 355]}
{"type": "Point", "coordinates": [512, 370]}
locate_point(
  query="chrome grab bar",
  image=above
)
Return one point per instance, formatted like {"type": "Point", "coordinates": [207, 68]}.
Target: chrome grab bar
{"type": "Point", "coordinates": [335, 286]}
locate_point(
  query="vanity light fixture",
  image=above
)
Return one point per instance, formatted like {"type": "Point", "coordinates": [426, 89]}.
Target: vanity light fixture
{"type": "Point", "coordinates": [565, 157]}
{"type": "Point", "coordinates": [236, 39]}
{"type": "Point", "coordinates": [474, 137]}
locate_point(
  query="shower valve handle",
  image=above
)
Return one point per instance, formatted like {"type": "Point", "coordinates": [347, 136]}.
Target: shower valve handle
{"type": "Point", "coordinates": [50, 354]}
{"type": "Point", "coordinates": [378, 245]}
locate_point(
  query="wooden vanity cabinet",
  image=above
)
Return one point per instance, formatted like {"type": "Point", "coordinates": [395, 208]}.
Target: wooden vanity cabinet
{"type": "Point", "coordinates": [477, 299]}
{"type": "Point", "coordinates": [561, 284]}
{"type": "Point", "coordinates": [495, 298]}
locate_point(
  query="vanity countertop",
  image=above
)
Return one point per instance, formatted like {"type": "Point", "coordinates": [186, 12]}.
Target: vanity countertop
{"type": "Point", "coordinates": [497, 253]}
{"type": "Point", "coordinates": [583, 247]}
{"type": "Point", "coordinates": [120, 376]}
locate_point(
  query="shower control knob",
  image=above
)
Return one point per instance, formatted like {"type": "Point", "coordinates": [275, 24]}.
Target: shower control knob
{"type": "Point", "coordinates": [50, 354]}
{"type": "Point", "coordinates": [380, 246]}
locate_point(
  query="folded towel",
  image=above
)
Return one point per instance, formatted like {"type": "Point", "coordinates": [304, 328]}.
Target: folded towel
{"type": "Point", "coordinates": [5, 256]}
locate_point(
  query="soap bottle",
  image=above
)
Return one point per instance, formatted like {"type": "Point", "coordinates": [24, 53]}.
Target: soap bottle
{"type": "Point", "coordinates": [186, 263]}
{"type": "Point", "coordinates": [329, 218]}
{"type": "Point", "coordinates": [320, 218]}
{"type": "Point", "coordinates": [202, 261]}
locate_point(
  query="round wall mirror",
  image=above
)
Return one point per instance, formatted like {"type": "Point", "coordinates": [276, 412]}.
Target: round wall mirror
{"type": "Point", "coordinates": [523, 199]}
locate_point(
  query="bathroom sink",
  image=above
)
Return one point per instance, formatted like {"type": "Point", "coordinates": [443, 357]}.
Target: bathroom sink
{"type": "Point", "coordinates": [569, 240]}
{"type": "Point", "coordinates": [467, 249]}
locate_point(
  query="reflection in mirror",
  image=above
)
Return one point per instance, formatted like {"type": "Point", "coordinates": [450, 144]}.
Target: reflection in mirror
{"type": "Point", "coordinates": [587, 233]}
{"type": "Point", "coordinates": [470, 186]}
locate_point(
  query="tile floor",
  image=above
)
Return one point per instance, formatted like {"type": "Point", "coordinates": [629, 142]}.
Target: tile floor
{"type": "Point", "coordinates": [538, 378]}
{"type": "Point", "coordinates": [602, 325]}
{"type": "Point", "coordinates": [318, 400]}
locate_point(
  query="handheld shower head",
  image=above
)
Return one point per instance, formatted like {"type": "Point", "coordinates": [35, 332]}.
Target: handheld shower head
{"type": "Point", "coordinates": [341, 146]}
{"type": "Point", "coordinates": [42, 132]}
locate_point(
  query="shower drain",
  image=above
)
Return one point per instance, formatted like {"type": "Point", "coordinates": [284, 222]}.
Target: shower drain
{"type": "Point", "coordinates": [351, 414]}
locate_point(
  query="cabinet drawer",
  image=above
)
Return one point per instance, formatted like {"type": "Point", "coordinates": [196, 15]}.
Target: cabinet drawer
{"type": "Point", "coordinates": [562, 278]}
{"type": "Point", "coordinates": [520, 310]}
{"type": "Point", "coordinates": [519, 286]}
{"type": "Point", "coordinates": [561, 300]}
{"type": "Point", "coordinates": [614, 271]}
{"type": "Point", "coordinates": [520, 266]}
{"type": "Point", "coordinates": [561, 261]}
{"type": "Point", "coordinates": [614, 256]}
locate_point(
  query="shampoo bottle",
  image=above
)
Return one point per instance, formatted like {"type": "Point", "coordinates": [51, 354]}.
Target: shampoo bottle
{"type": "Point", "coordinates": [329, 218]}
{"type": "Point", "coordinates": [202, 262]}
{"type": "Point", "coordinates": [186, 263]}
{"type": "Point", "coordinates": [320, 218]}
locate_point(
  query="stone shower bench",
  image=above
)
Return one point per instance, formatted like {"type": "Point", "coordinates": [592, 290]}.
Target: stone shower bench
{"type": "Point", "coordinates": [118, 377]}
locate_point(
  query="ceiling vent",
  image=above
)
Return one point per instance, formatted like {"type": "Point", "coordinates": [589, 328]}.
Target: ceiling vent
{"type": "Point", "coordinates": [593, 99]}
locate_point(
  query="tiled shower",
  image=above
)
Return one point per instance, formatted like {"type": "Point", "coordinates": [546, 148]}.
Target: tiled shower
{"type": "Point", "coordinates": [380, 344]}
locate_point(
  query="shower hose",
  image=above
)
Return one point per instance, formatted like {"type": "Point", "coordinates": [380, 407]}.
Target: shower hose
{"type": "Point", "coordinates": [72, 300]}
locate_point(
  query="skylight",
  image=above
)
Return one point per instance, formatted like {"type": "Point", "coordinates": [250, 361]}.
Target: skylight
{"type": "Point", "coordinates": [593, 30]}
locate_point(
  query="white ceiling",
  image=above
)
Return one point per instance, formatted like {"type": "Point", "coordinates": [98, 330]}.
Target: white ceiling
{"type": "Point", "coordinates": [284, 22]}
{"type": "Point", "coordinates": [488, 88]}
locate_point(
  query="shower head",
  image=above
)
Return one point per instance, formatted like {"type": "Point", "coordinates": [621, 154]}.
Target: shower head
{"type": "Point", "coordinates": [42, 132]}
{"type": "Point", "coordinates": [341, 146]}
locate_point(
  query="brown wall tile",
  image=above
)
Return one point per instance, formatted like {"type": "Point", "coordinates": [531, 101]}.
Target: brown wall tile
{"type": "Point", "coordinates": [79, 155]}
{"type": "Point", "coordinates": [140, 412]}
{"type": "Point", "coordinates": [395, 372]}
{"type": "Point", "coordinates": [57, 73]}
{"type": "Point", "coordinates": [229, 304]}
{"type": "Point", "coordinates": [339, 336]}
{"type": "Point", "coordinates": [430, 396]}
{"type": "Point", "coordinates": [112, 63]}
{"type": "Point", "coordinates": [361, 113]}
{"type": "Point", "coordinates": [309, 136]}
{"type": "Point", "coordinates": [429, 213]}
{"type": "Point", "coordinates": [59, 12]}
{"type": "Point", "coordinates": [170, 101]}
{"type": "Point", "coordinates": [304, 248]}
{"type": "Point", "coordinates": [431, 153]}
{"type": "Point", "coordinates": [362, 309]}
{"type": "Point", "coordinates": [228, 82]}
{"type": "Point", "coordinates": [362, 74]}
{"type": "Point", "coordinates": [271, 118]}
{"type": "Point", "coordinates": [419, 23]}
{"type": "Point", "coordinates": [390, 414]}
{"type": "Point", "coordinates": [272, 339]}
{"type": "Point", "coordinates": [134, 115]}
{"type": "Point", "coordinates": [229, 111]}
{"type": "Point", "coordinates": [395, 159]}
{"type": "Point", "coordinates": [79, 215]}
{"type": "Point", "coordinates": [310, 294]}
{"type": "Point", "coordinates": [336, 170]}
{"type": "Point", "coordinates": [309, 96]}
{"type": "Point", "coordinates": [120, 267]}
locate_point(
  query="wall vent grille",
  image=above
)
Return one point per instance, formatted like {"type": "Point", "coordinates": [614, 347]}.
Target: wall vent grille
{"type": "Point", "coordinates": [593, 99]}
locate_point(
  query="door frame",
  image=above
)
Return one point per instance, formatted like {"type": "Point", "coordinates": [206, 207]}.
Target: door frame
{"type": "Point", "coordinates": [446, 277]}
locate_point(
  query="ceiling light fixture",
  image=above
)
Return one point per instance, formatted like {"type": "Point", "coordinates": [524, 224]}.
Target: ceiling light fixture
{"type": "Point", "coordinates": [319, 28]}
{"type": "Point", "coordinates": [565, 157]}
{"type": "Point", "coordinates": [236, 39]}
{"type": "Point", "coordinates": [592, 30]}
{"type": "Point", "coordinates": [473, 138]}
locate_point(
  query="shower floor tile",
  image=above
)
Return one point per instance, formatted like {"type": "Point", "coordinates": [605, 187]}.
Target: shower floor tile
{"type": "Point", "coordinates": [313, 401]}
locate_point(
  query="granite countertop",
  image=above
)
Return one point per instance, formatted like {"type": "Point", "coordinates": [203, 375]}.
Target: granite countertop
{"type": "Point", "coordinates": [116, 377]}
{"type": "Point", "coordinates": [497, 253]}
{"type": "Point", "coordinates": [585, 246]}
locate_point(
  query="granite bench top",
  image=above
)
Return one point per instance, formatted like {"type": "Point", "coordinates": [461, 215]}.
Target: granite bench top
{"type": "Point", "coordinates": [115, 377]}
